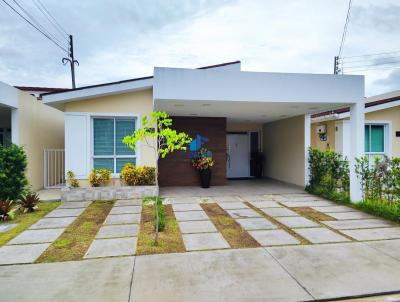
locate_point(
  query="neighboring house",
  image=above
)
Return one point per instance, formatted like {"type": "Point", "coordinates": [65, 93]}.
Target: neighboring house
{"type": "Point", "coordinates": [26, 121]}
{"type": "Point", "coordinates": [382, 127]}
{"type": "Point", "coordinates": [234, 112]}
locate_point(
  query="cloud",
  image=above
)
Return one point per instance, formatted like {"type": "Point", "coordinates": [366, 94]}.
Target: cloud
{"type": "Point", "coordinates": [391, 82]}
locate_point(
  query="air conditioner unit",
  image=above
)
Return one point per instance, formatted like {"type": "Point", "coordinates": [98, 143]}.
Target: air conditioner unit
{"type": "Point", "coordinates": [321, 129]}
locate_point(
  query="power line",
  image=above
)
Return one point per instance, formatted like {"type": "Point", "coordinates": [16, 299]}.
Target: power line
{"type": "Point", "coordinates": [34, 26]}
{"type": "Point", "coordinates": [345, 29]}
{"type": "Point", "coordinates": [376, 64]}
{"type": "Point", "coordinates": [366, 60]}
{"type": "Point", "coordinates": [37, 23]}
{"type": "Point", "coordinates": [51, 19]}
{"type": "Point", "coordinates": [374, 54]}
{"type": "Point", "coordinates": [368, 69]}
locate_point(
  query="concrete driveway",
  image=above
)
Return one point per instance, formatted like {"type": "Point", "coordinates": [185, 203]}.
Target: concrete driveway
{"type": "Point", "coordinates": [290, 273]}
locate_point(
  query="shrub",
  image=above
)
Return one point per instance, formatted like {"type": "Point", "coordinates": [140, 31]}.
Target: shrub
{"type": "Point", "coordinates": [29, 202]}
{"type": "Point", "coordinates": [73, 182]}
{"type": "Point", "coordinates": [380, 180]}
{"type": "Point", "coordinates": [132, 175]}
{"type": "Point", "coordinates": [99, 177]}
{"type": "Point", "coordinates": [5, 209]}
{"type": "Point", "coordinates": [13, 164]}
{"type": "Point", "coordinates": [329, 175]}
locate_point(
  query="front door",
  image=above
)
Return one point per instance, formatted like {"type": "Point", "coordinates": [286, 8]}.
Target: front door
{"type": "Point", "coordinates": [238, 157]}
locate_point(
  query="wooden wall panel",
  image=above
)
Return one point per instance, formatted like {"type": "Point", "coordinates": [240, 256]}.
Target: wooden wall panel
{"type": "Point", "coordinates": [176, 168]}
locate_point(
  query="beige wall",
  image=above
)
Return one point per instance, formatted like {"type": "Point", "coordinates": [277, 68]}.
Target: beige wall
{"type": "Point", "coordinates": [392, 115]}
{"type": "Point", "coordinates": [330, 141]}
{"type": "Point", "coordinates": [39, 127]}
{"type": "Point", "coordinates": [140, 103]}
{"type": "Point", "coordinates": [284, 150]}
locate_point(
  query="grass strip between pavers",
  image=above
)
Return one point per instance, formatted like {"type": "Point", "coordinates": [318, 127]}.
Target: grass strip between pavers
{"type": "Point", "coordinates": [234, 234]}
{"type": "Point", "coordinates": [25, 220]}
{"type": "Point", "coordinates": [169, 240]}
{"type": "Point", "coordinates": [76, 239]}
{"type": "Point", "coordinates": [312, 214]}
{"type": "Point", "coordinates": [280, 225]}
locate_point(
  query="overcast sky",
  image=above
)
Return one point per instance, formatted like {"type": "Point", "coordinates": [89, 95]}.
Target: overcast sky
{"type": "Point", "coordinates": [116, 40]}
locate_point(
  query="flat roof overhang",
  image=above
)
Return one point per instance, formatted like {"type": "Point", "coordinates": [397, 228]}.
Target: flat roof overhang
{"type": "Point", "coordinates": [8, 96]}
{"type": "Point", "coordinates": [252, 96]}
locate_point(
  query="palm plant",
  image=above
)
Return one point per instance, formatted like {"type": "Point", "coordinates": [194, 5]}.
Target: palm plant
{"type": "Point", "coordinates": [29, 202]}
{"type": "Point", "coordinates": [5, 208]}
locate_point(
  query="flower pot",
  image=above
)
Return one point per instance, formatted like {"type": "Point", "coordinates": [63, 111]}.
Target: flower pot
{"type": "Point", "coordinates": [205, 178]}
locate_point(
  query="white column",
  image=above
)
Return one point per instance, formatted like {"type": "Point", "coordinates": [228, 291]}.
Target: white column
{"type": "Point", "coordinates": [307, 145]}
{"type": "Point", "coordinates": [14, 126]}
{"type": "Point", "coordinates": [356, 147]}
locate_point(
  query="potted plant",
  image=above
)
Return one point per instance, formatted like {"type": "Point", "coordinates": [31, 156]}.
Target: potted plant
{"type": "Point", "coordinates": [257, 161]}
{"type": "Point", "coordinates": [203, 162]}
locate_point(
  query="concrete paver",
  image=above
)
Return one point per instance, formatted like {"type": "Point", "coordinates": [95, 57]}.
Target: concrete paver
{"type": "Point", "coordinates": [243, 213]}
{"type": "Point", "coordinates": [232, 205]}
{"type": "Point", "coordinates": [7, 227]}
{"type": "Point", "coordinates": [50, 223]}
{"type": "Point", "coordinates": [128, 202]}
{"type": "Point", "coordinates": [65, 213]}
{"type": "Point", "coordinates": [181, 207]}
{"type": "Point", "coordinates": [118, 230]}
{"type": "Point", "coordinates": [255, 198]}
{"type": "Point", "coordinates": [37, 236]}
{"type": "Point", "coordinates": [333, 209]}
{"type": "Point", "coordinates": [18, 254]}
{"type": "Point", "coordinates": [358, 224]}
{"type": "Point", "coordinates": [183, 199]}
{"type": "Point", "coordinates": [201, 226]}
{"type": "Point", "coordinates": [74, 204]}
{"type": "Point", "coordinates": [98, 280]}
{"type": "Point", "coordinates": [226, 199]}
{"type": "Point", "coordinates": [112, 247]}
{"type": "Point", "coordinates": [265, 204]}
{"type": "Point", "coordinates": [373, 234]}
{"type": "Point", "coordinates": [320, 235]}
{"type": "Point", "coordinates": [297, 222]}
{"type": "Point", "coordinates": [191, 215]}
{"type": "Point", "coordinates": [313, 203]}
{"type": "Point", "coordinates": [250, 224]}
{"type": "Point", "coordinates": [226, 275]}
{"type": "Point", "coordinates": [388, 247]}
{"type": "Point", "coordinates": [339, 269]}
{"type": "Point", "coordinates": [122, 219]}
{"type": "Point", "coordinates": [125, 210]}
{"type": "Point", "coordinates": [279, 212]}
{"type": "Point", "coordinates": [273, 237]}
{"type": "Point", "coordinates": [204, 241]}
{"type": "Point", "coordinates": [350, 215]}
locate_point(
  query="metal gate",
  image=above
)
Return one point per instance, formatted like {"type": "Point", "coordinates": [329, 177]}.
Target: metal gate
{"type": "Point", "coordinates": [54, 169]}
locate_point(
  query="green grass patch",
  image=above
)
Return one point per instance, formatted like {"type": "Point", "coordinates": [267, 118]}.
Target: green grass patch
{"type": "Point", "coordinates": [161, 211]}
{"type": "Point", "coordinates": [169, 240]}
{"type": "Point", "coordinates": [25, 220]}
{"type": "Point", "coordinates": [76, 239]}
{"type": "Point", "coordinates": [384, 209]}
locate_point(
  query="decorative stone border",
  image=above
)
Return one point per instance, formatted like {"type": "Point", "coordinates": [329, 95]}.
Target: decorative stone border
{"type": "Point", "coordinates": [107, 193]}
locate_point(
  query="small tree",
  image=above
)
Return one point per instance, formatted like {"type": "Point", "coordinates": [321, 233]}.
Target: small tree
{"type": "Point", "coordinates": [157, 135]}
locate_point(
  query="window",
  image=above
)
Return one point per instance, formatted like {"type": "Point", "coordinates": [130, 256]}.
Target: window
{"type": "Point", "coordinates": [108, 150]}
{"type": "Point", "coordinates": [375, 138]}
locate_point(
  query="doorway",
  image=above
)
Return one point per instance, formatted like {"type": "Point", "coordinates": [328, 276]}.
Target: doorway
{"type": "Point", "coordinates": [238, 155]}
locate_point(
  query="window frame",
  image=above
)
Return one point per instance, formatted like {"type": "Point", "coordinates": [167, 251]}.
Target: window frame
{"type": "Point", "coordinates": [387, 138]}
{"type": "Point", "coordinates": [114, 157]}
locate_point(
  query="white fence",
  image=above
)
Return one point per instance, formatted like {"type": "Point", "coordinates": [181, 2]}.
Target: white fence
{"type": "Point", "coordinates": [54, 170]}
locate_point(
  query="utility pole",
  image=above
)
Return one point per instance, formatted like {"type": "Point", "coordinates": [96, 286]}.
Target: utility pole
{"type": "Point", "coordinates": [336, 68]}
{"type": "Point", "coordinates": [71, 60]}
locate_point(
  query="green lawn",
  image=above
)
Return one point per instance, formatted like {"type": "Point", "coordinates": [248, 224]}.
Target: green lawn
{"type": "Point", "coordinates": [24, 221]}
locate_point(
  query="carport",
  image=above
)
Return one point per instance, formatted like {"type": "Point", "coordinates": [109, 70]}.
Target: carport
{"type": "Point", "coordinates": [217, 103]}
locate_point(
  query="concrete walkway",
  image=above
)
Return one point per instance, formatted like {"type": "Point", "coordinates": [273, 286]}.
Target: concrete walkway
{"type": "Point", "coordinates": [290, 273]}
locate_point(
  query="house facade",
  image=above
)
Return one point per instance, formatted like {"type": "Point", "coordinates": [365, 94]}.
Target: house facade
{"type": "Point", "coordinates": [382, 127]}
{"type": "Point", "coordinates": [234, 113]}
{"type": "Point", "coordinates": [26, 121]}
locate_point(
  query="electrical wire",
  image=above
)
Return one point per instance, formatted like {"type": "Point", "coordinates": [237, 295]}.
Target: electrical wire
{"type": "Point", "coordinates": [51, 19]}
{"type": "Point", "coordinates": [366, 60]}
{"type": "Point", "coordinates": [345, 29]}
{"type": "Point", "coordinates": [374, 54]}
{"type": "Point", "coordinates": [34, 26]}
{"type": "Point", "coordinates": [368, 69]}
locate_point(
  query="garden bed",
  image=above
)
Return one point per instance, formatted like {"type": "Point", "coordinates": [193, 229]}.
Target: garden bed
{"type": "Point", "coordinates": [25, 220]}
{"type": "Point", "coordinates": [76, 239]}
{"type": "Point", "coordinates": [107, 193]}
{"type": "Point", "coordinates": [169, 240]}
